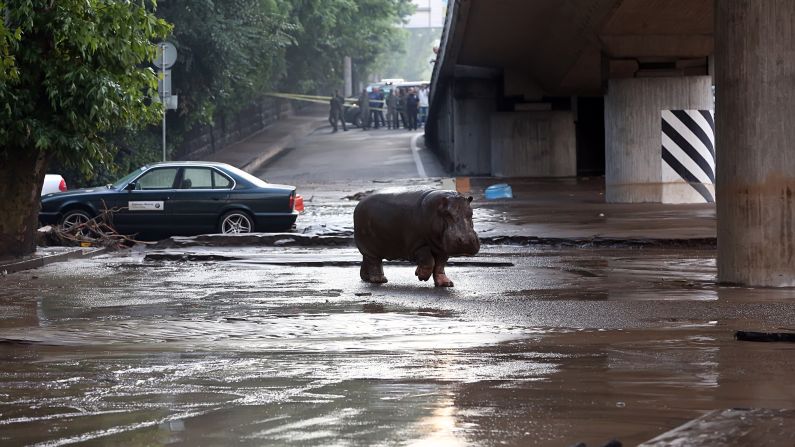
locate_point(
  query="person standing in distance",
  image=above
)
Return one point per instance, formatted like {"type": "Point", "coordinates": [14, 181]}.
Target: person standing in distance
{"type": "Point", "coordinates": [412, 107]}
{"type": "Point", "coordinates": [337, 111]}
{"type": "Point", "coordinates": [400, 109]}
{"type": "Point", "coordinates": [364, 109]}
{"type": "Point", "coordinates": [423, 96]}
{"type": "Point", "coordinates": [391, 109]}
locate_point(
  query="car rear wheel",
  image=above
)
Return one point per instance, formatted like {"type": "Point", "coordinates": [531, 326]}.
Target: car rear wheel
{"type": "Point", "coordinates": [74, 218]}
{"type": "Point", "coordinates": [235, 222]}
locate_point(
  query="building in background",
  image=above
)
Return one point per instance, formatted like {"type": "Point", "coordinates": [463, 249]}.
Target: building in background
{"type": "Point", "coordinates": [428, 14]}
{"type": "Point", "coordinates": [422, 31]}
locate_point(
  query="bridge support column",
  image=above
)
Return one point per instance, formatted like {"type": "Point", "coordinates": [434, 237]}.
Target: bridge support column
{"type": "Point", "coordinates": [634, 166]}
{"type": "Point", "coordinates": [754, 70]}
{"type": "Point", "coordinates": [533, 144]}
{"type": "Point", "coordinates": [473, 105]}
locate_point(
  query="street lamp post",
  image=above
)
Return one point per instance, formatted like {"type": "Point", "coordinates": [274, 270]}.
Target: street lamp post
{"type": "Point", "coordinates": [167, 55]}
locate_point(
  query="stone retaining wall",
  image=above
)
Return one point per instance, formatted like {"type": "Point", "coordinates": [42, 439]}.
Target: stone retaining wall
{"type": "Point", "coordinates": [204, 140]}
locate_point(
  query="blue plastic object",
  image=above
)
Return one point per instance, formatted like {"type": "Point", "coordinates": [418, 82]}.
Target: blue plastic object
{"type": "Point", "coordinates": [499, 191]}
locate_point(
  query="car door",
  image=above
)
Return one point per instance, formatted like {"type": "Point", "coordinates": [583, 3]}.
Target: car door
{"type": "Point", "coordinates": [197, 203]}
{"type": "Point", "coordinates": [145, 208]}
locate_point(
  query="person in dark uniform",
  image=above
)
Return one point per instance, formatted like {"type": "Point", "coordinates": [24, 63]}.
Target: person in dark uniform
{"type": "Point", "coordinates": [412, 109]}
{"type": "Point", "coordinates": [376, 104]}
{"type": "Point", "coordinates": [391, 109]}
{"type": "Point", "coordinates": [364, 109]}
{"type": "Point", "coordinates": [337, 111]}
{"type": "Point", "coordinates": [400, 109]}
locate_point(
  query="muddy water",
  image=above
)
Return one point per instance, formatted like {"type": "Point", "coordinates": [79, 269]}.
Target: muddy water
{"type": "Point", "coordinates": [565, 346]}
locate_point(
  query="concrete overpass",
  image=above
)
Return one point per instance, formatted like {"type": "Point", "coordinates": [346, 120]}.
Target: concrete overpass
{"type": "Point", "coordinates": [624, 88]}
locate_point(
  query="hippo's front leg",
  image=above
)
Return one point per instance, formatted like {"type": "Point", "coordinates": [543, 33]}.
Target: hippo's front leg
{"type": "Point", "coordinates": [439, 278]}
{"type": "Point", "coordinates": [372, 270]}
{"type": "Point", "coordinates": [424, 259]}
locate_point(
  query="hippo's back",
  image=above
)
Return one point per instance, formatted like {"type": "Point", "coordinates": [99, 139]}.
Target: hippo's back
{"type": "Point", "coordinates": [388, 224]}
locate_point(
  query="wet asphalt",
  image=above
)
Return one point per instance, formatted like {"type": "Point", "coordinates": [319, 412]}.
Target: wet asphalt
{"type": "Point", "coordinates": [282, 345]}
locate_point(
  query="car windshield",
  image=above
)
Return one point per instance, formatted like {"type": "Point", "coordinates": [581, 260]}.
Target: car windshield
{"type": "Point", "coordinates": [123, 181]}
{"type": "Point", "coordinates": [246, 176]}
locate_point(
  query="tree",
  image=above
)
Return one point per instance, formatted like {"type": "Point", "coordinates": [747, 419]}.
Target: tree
{"type": "Point", "coordinates": [230, 52]}
{"type": "Point", "coordinates": [329, 30]}
{"type": "Point", "coordinates": [72, 71]}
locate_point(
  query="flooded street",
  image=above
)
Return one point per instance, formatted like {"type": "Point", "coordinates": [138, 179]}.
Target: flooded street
{"type": "Point", "coordinates": [534, 346]}
{"type": "Point", "coordinates": [578, 321]}
{"type": "Point", "coordinates": [408, 223]}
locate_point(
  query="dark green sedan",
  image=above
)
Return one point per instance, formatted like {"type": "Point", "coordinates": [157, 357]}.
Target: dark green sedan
{"type": "Point", "coordinates": [179, 198]}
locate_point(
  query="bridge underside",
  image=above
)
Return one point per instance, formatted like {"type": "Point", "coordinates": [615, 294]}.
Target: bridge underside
{"type": "Point", "coordinates": [625, 88]}
{"type": "Point", "coordinates": [530, 57]}
{"type": "Point", "coordinates": [564, 48]}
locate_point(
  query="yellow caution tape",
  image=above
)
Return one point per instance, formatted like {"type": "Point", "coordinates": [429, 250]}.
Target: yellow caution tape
{"type": "Point", "coordinates": [320, 99]}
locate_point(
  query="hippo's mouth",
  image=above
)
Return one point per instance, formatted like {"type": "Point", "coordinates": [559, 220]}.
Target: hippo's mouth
{"type": "Point", "coordinates": [464, 251]}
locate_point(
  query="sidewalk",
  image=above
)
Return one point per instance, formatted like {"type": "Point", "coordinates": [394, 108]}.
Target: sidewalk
{"type": "Point", "coordinates": [46, 255]}
{"type": "Point", "coordinates": [574, 209]}
{"type": "Point", "coordinates": [255, 151]}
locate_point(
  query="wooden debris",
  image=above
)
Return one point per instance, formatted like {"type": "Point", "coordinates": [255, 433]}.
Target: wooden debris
{"type": "Point", "coordinates": [96, 232]}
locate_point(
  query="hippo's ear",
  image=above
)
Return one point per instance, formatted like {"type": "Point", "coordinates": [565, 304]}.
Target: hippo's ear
{"type": "Point", "coordinates": [469, 199]}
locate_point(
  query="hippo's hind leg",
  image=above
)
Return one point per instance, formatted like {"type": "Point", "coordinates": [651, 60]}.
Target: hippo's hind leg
{"type": "Point", "coordinates": [372, 270]}
{"type": "Point", "coordinates": [439, 278]}
{"type": "Point", "coordinates": [424, 259]}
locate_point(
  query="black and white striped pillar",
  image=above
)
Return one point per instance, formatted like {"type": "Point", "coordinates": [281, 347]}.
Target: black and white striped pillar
{"type": "Point", "coordinates": [634, 166]}
{"type": "Point", "coordinates": [688, 156]}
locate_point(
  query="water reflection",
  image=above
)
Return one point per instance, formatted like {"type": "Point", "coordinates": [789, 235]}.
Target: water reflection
{"type": "Point", "coordinates": [440, 428]}
{"type": "Point", "coordinates": [564, 347]}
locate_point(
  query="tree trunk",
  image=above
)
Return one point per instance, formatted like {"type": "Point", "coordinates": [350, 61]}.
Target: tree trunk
{"type": "Point", "coordinates": [20, 189]}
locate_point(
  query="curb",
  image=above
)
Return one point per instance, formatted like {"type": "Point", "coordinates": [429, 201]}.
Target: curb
{"type": "Point", "coordinates": [256, 163]}
{"type": "Point", "coordinates": [275, 150]}
{"type": "Point", "coordinates": [35, 261]}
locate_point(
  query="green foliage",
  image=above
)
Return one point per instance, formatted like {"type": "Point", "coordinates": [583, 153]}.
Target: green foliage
{"type": "Point", "coordinates": [329, 30]}
{"type": "Point", "coordinates": [133, 150]}
{"type": "Point", "coordinates": [76, 76]}
{"type": "Point", "coordinates": [8, 38]}
{"type": "Point", "coordinates": [229, 52]}
{"type": "Point", "coordinates": [72, 72]}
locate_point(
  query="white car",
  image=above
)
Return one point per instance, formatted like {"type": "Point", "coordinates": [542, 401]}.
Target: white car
{"type": "Point", "coordinates": [53, 183]}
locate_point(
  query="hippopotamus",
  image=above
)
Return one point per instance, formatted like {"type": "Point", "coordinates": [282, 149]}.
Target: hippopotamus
{"type": "Point", "coordinates": [423, 226]}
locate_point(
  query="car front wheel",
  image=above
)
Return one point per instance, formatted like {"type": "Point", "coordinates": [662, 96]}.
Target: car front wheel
{"type": "Point", "coordinates": [74, 218]}
{"type": "Point", "coordinates": [235, 222]}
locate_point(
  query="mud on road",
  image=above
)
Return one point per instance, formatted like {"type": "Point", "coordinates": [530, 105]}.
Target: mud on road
{"type": "Point", "coordinates": [263, 346]}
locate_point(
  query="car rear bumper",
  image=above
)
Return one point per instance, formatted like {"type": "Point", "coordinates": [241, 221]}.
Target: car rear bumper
{"type": "Point", "coordinates": [274, 222]}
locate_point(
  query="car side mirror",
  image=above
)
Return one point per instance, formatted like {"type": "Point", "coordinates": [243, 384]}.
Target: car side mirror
{"type": "Point", "coordinates": [130, 186]}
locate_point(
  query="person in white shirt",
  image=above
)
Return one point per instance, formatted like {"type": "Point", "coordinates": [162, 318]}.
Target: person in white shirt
{"type": "Point", "coordinates": [423, 95]}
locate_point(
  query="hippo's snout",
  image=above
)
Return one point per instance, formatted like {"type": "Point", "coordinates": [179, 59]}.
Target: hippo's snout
{"type": "Point", "coordinates": [463, 244]}
{"type": "Point", "coordinates": [472, 246]}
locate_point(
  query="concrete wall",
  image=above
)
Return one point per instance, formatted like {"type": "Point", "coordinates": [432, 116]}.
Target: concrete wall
{"type": "Point", "coordinates": [474, 104]}
{"type": "Point", "coordinates": [533, 144]}
{"type": "Point", "coordinates": [633, 167]}
{"type": "Point", "coordinates": [442, 133]}
{"type": "Point", "coordinates": [204, 140]}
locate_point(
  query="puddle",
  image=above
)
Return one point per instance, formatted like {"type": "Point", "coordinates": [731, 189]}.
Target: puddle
{"type": "Point", "coordinates": [554, 347]}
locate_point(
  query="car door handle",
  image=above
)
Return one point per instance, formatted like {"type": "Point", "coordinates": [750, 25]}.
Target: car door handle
{"type": "Point", "coordinates": [216, 198]}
